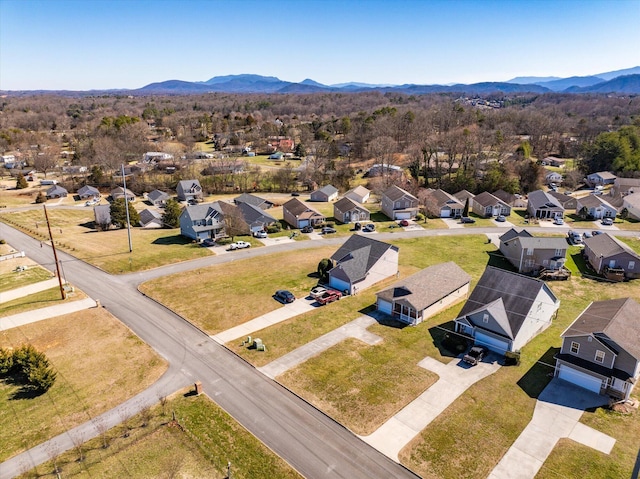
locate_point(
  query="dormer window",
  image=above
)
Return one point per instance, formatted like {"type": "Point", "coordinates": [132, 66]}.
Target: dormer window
{"type": "Point", "coordinates": [575, 347]}
{"type": "Point", "coordinates": [485, 318]}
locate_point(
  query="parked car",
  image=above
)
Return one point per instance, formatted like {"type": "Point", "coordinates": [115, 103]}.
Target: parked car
{"type": "Point", "coordinates": [467, 219]}
{"type": "Point", "coordinates": [284, 296]}
{"type": "Point", "coordinates": [558, 220]}
{"type": "Point", "coordinates": [587, 234]}
{"type": "Point", "coordinates": [475, 355]}
{"type": "Point", "coordinates": [596, 232]}
{"type": "Point", "coordinates": [295, 193]}
{"type": "Point", "coordinates": [192, 202]}
{"type": "Point", "coordinates": [607, 221]}
{"type": "Point", "coordinates": [403, 223]}
{"type": "Point", "coordinates": [326, 230]}
{"type": "Point", "coordinates": [306, 229]}
{"type": "Point", "coordinates": [501, 218]}
{"type": "Point", "coordinates": [317, 291]}
{"type": "Point", "coordinates": [239, 245]}
{"type": "Point", "coordinates": [369, 228]}
{"type": "Point", "coordinates": [260, 234]}
{"type": "Point", "coordinates": [207, 243]}
{"type": "Point", "coordinates": [574, 237]}
{"type": "Point", "coordinates": [329, 296]}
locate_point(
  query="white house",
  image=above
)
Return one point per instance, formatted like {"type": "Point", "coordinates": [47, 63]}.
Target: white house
{"type": "Point", "coordinates": [326, 193]}
{"type": "Point", "coordinates": [595, 207]}
{"type": "Point", "coordinates": [632, 204]}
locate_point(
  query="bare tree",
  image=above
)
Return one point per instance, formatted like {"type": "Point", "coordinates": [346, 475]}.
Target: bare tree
{"type": "Point", "coordinates": [103, 431]}
{"type": "Point", "coordinates": [46, 158]}
{"type": "Point", "coordinates": [78, 442]}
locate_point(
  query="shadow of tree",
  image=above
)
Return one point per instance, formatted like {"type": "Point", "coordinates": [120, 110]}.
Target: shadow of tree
{"type": "Point", "coordinates": [172, 240]}
{"type": "Point", "coordinates": [497, 260]}
{"type": "Point", "coordinates": [539, 375]}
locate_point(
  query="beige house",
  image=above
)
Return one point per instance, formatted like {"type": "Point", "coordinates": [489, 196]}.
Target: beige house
{"type": "Point", "coordinates": [528, 253]}
{"type": "Point", "coordinates": [298, 214]}
{"type": "Point", "coordinates": [399, 204]}
{"type": "Point", "coordinates": [346, 210]}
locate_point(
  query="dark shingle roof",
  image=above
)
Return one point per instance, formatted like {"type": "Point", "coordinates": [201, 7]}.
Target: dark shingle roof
{"type": "Point", "coordinates": [156, 195]}
{"type": "Point", "coordinates": [513, 233]}
{"type": "Point", "coordinates": [395, 193]}
{"type": "Point", "coordinates": [87, 190]}
{"type": "Point", "coordinates": [358, 254]}
{"type": "Point", "coordinates": [606, 245]}
{"type": "Point", "coordinates": [347, 204]}
{"type": "Point", "coordinates": [252, 200]}
{"type": "Point", "coordinates": [487, 199]}
{"type": "Point", "coordinates": [147, 216]}
{"type": "Point", "coordinates": [297, 207]}
{"type": "Point", "coordinates": [57, 190]}
{"type": "Point", "coordinates": [537, 199]}
{"type": "Point", "coordinates": [254, 214]}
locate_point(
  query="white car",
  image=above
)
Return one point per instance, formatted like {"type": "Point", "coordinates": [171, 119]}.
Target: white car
{"type": "Point", "coordinates": [260, 234]}
{"type": "Point", "coordinates": [558, 221]}
{"type": "Point", "coordinates": [239, 245]}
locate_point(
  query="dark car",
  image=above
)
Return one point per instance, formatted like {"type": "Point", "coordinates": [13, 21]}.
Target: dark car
{"type": "Point", "coordinates": [207, 243]}
{"type": "Point", "coordinates": [370, 228]}
{"type": "Point", "coordinates": [328, 230]}
{"type": "Point", "coordinates": [596, 232]}
{"type": "Point", "coordinates": [467, 219]}
{"type": "Point", "coordinates": [306, 229]}
{"type": "Point", "coordinates": [295, 193]}
{"type": "Point", "coordinates": [284, 296]}
{"type": "Point", "coordinates": [475, 355]}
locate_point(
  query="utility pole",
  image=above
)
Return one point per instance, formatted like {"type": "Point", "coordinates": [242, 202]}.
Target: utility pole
{"type": "Point", "coordinates": [55, 255]}
{"type": "Point", "coordinates": [126, 207]}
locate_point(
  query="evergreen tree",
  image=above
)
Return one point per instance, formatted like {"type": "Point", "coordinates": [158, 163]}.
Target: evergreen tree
{"type": "Point", "coordinates": [465, 211]}
{"type": "Point", "coordinates": [21, 183]}
{"type": "Point", "coordinates": [171, 216]}
{"type": "Point", "coordinates": [119, 214]}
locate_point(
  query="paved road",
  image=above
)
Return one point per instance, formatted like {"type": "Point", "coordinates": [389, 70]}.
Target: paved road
{"type": "Point", "coordinates": [311, 442]}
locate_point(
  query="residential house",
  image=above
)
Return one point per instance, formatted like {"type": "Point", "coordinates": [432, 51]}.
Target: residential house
{"type": "Point", "coordinates": [253, 200]}
{"type": "Point", "coordinates": [463, 196]}
{"type": "Point", "coordinates": [625, 186]}
{"type": "Point", "coordinates": [102, 217]}
{"type": "Point", "coordinates": [298, 214]}
{"type": "Point", "coordinates": [281, 143]}
{"type": "Point", "coordinates": [119, 193]}
{"type": "Point", "coordinates": [155, 156]}
{"type": "Point", "coordinates": [150, 219]}
{"type": "Point", "coordinates": [74, 169]}
{"type": "Point", "coordinates": [158, 198]}
{"type": "Point", "coordinates": [278, 156]}
{"type": "Point", "coordinates": [425, 293]}
{"type": "Point", "coordinates": [515, 201]}
{"type": "Point", "coordinates": [346, 210]}
{"type": "Point", "coordinates": [189, 190]}
{"type": "Point", "coordinates": [506, 310]}
{"type": "Point", "coordinates": [380, 168]}
{"type": "Point", "coordinates": [600, 178]}
{"type": "Point", "coordinates": [632, 204]}
{"type": "Point", "coordinates": [487, 205]}
{"type": "Point", "coordinates": [361, 262]}
{"type": "Point", "coordinates": [529, 254]}
{"type": "Point", "coordinates": [542, 205]}
{"type": "Point", "coordinates": [441, 204]}
{"type": "Point", "coordinates": [601, 348]}
{"type": "Point", "coordinates": [255, 217]}
{"type": "Point", "coordinates": [88, 192]}
{"type": "Point", "coordinates": [326, 193]}
{"type": "Point", "coordinates": [56, 191]}
{"type": "Point", "coordinates": [202, 221]}
{"type": "Point", "coordinates": [595, 207]}
{"type": "Point", "coordinates": [359, 194]}
{"type": "Point", "coordinates": [553, 161]}
{"type": "Point", "coordinates": [568, 202]}
{"type": "Point", "coordinates": [606, 252]}
{"type": "Point", "coordinates": [552, 177]}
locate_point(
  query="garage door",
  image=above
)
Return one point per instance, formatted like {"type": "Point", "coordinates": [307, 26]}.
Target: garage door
{"type": "Point", "coordinates": [579, 378]}
{"type": "Point", "coordinates": [445, 213]}
{"type": "Point", "coordinates": [494, 344]}
{"type": "Point", "coordinates": [384, 306]}
{"type": "Point", "coordinates": [403, 216]}
{"type": "Point", "coordinates": [339, 285]}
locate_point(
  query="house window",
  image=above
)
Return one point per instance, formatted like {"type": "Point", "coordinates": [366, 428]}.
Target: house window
{"type": "Point", "coordinates": [485, 318]}
{"type": "Point", "coordinates": [559, 252]}
{"type": "Point", "coordinates": [529, 251]}
{"type": "Point", "coordinates": [599, 356]}
{"type": "Point", "coordinates": [632, 265]}
{"type": "Point", "coordinates": [575, 347]}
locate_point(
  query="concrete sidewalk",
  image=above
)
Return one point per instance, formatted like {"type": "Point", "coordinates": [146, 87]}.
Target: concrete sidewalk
{"type": "Point", "coordinates": [10, 295]}
{"type": "Point", "coordinates": [557, 415]}
{"type": "Point", "coordinates": [455, 378]}
{"type": "Point", "coordinates": [355, 329]}
{"type": "Point", "coordinates": [32, 316]}
{"type": "Point", "coordinates": [299, 306]}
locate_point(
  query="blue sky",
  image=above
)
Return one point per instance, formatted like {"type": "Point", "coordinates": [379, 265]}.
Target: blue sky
{"type": "Point", "coordinates": [99, 44]}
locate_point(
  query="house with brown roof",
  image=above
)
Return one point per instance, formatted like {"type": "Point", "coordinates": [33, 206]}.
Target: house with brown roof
{"type": "Point", "coordinates": [345, 210]}
{"type": "Point", "coordinates": [528, 253]}
{"type": "Point", "coordinates": [424, 294]}
{"type": "Point", "coordinates": [506, 310]}
{"type": "Point", "coordinates": [515, 201]}
{"type": "Point", "coordinates": [359, 194]}
{"type": "Point", "coordinates": [464, 195]}
{"type": "Point", "coordinates": [605, 252]}
{"type": "Point", "coordinates": [399, 204]}
{"type": "Point", "coordinates": [441, 204]}
{"type": "Point", "coordinates": [601, 348]}
{"type": "Point", "coordinates": [487, 205]}
{"type": "Point", "coordinates": [298, 214]}
{"type": "Point", "coordinates": [595, 207]}
{"type": "Point", "coordinates": [568, 202]}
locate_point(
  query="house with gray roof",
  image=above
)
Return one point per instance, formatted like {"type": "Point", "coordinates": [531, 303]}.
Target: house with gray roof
{"type": "Point", "coordinates": [359, 194]}
{"type": "Point", "coordinates": [399, 204]}
{"type": "Point", "coordinates": [298, 214]}
{"type": "Point", "coordinates": [56, 191]}
{"type": "Point", "coordinates": [158, 198]}
{"type": "Point", "coordinates": [150, 219]}
{"type": "Point", "coordinates": [255, 217]}
{"type": "Point", "coordinates": [506, 310]}
{"type": "Point", "coordinates": [326, 193]}
{"type": "Point", "coordinates": [625, 186]}
{"type": "Point", "coordinates": [531, 254]}
{"type": "Point", "coordinates": [345, 210]}
{"type": "Point", "coordinates": [601, 348]}
{"type": "Point", "coordinates": [102, 217]}
{"type": "Point", "coordinates": [441, 204]}
{"type": "Point", "coordinates": [487, 205]}
{"type": "Point", "coordinates": [600, 178]}
{"type": "Point", "coordinates": [631, 203]}
{"type": "Point", "coordinates": [253, 200]}
{"type": "Point", "coordinates": [568, 202]}
{"type": "Point", "coordinates": [542, 205]}
{"type": "Point", "coordinates": [202, 221]}
{"type": "Point", "coordinates": [424, 294]}
{"type": "Point", "coordinates": [119, 193]}
{"type": "Point", "coordinates": [361, 262]}
{"type": "Point", "coordinates": [607, 252]}
{"type": "Point", "coordinates": [88, 192]}
{"type": "Point", "coordinates": [595, 207]}
{"type": "Point", "coordinates": [189, 190]}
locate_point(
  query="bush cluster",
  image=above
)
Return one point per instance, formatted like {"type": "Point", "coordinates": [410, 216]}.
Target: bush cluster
{"type": "Point", "coordinates": [28, 367]}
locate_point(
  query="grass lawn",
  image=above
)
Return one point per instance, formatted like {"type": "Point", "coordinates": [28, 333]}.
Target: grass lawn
{"type": "Point", "coordinates": [42, 299]}
{"type": "Point", "coordinates": [87, 384]}
{"type": "Point", "coordinates": [109, 250]}
{"type": "Point", "coordinates": [210, 440]}
{"type": "Point", "coordinates": [11, 280]}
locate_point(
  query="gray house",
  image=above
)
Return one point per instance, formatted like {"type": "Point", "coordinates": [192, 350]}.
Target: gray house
{"type": "Point", "coordinates": [542, 205]}
{"type": "Point", "coordinates": [506, 310]}
{"type": "Point", "coordinates": [88, 192]}
{"type": "Point", "coordinates": [441, 204]}
{"type": "Point", "coordinates": [566, 201]}
{"type": "Point", "coordinates": [119, 193]}
{"type": "Point", "coordinates": [601, 349]}
{"type": "Point", "coordinates": [399, 204]}
{"type": "Point", "coordinates": [56, 191]}
{"type": "Point", "coordinates": [487, 205]}
{"type": "Point", "coordinates": [299, 215]}
{"type": "Point", "coordinates": [361, 262]}
{"type": "Point", "coordinates": [595, 207]}
{"type": "Point", "coordinates": [202, 221]}
{"type": "Point", "coordinates": [253, 200]}
{"type": "Point", "coordinates": [346, 210]}
{"type": "Point", "coordinates": [150, 219]}
{"type": "Point", "coordinates": [531, 254]}
{"type": "Point", "coordinates": [158, 198]}
{"type": "Point", "coordinates": [601, 178]}
{"type": "Point", "coordinates": [425, 293]}
{"type": "Point", "coordinates": [326, 193]}
{"type": "Point", "coordinates": [605, 252]}
{"type": "Point", "coordinates": [255, 217]}
{"type": "Point", "coordinates": [189, 190]}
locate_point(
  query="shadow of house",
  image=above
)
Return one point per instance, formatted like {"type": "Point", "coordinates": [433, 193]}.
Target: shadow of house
{"type": "Point", "coordinates": [449, 343]}
{"type": "Point", "coordinates": [497, 260]}
{"type": "Point", "coordinates": [539, 375]}
{"type": "Point", "coordinates": [171, 240]}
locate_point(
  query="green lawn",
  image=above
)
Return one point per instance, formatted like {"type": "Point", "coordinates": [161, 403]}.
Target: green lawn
{"type": "Point", "coordinates": [42, 299]}
{"type": "Point", "coordinates": [13, 280]}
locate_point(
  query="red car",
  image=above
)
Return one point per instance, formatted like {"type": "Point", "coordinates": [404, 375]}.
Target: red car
{"type": "Point", "coordinates": [404, 223]}
{"type": "Point", "coordinates": [329, 296]}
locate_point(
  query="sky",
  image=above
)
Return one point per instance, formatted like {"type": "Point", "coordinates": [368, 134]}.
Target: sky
{"type": "Point", "coordinates": [109, 44]}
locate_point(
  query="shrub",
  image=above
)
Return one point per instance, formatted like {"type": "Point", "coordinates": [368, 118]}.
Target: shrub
{"type": "Point", "coordinates": [419, 217]}
{"type": "Point", "coordinates": [29, 367]}
{"type": "Point", "coordinates": [3, 241]}
{"type": "Point", "coordinates": [41, 198]}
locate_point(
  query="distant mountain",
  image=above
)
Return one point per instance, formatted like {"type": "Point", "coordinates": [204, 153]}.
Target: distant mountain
{"type": "Point", "coordinates": [245, 77]}
{"type": "Point", "coordinates": [175, 86]}
{"type": "Point", "coordinates": [529, 80]}
{"type": "Point", "coordinates": [627, 84]}
{"type": "Point", "coordinates": [564, 83]}
{"type": "Point", "coordinates": [618, 73]}
{"type": "Point", "coordinates": [360, 85]}
{"type": "Point", "coordinates": [309, 81]}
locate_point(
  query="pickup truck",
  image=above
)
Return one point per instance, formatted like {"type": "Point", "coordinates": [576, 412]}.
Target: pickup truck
{"type": "Point", "coordinates": [329, 296]}
{"type": "Point", "coordinates": [239, 245]}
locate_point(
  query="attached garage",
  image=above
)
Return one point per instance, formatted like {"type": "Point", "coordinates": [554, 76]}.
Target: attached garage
{"type": "Point", "coordinates": [403, 216]}
{"type": "Point", "coordinates": [579, 378]}
{"type": "Point", "coordinates": [339, 284]}
{"type": "Point", "coordinates": [445, 213]}
{"type": "Point", "coordinates": [384, 306]}
{"type": "Point", "coordinates": [494, 344]}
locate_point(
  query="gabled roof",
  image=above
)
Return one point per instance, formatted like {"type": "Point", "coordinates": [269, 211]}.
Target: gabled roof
{"type": "Point", "coordinates": [616, 319]}
{"type": "Point", "coordinates": [147, 216]}
{"type": "Point", "coordinates": [606, 245]}
{"type": "Point", "coordinates": [254, 214]}
{"type": "Point", "coordinates": [513, 233]}
{"type": "Point", "coordinates": [428, 286]}
{"type": "Point", "coordinates": [605, 175]}
{"type": "Point", "coordinates": [358, 255]}
{"type": "Point", "coordinates": [156, 195]}
{"type": "Point", "coordinates": [202, 211]}
{"type": "Point", "coordinates": [189, 185]}
{"type": "Point", "coordinates": [594, 201]}
{"type": "Point", "coordinates": [541, 199]}
{"type": "Point", "coordinates": [463, 195]}
{"type": "Point", "coordinates": [442, 198]}
{"type": "Point", "coordinates": [502, 195]}
{"type": "Point", "coordinates": [57, 190]}
{"type": "Point", "coordinates": [251, 199]}
{"type": "Point", "coordinates": [347, 204]}
{"type": "Point", "coordinates": [542, 242]}
{"type": "Point", "coordinates": [359, 191]}
{"type": "Point", "coordinates": [633, 200]}
{"type": "Point", "coordinates": [487, 199]}
{"type": "Point", "coordinates": [327, 190]}
{"type": "Point", "coordinates": [87, 190]}
{"type": "Point", "coordinates": [118, 192]}
{"type": "Point", "coordinates": [509, 296]}
{"type": "Point", "coordinates": [102, 214]}
{"type": "Point", "coordinates": [395, 193]}
{"type": "Point", "coordinates": [297, 207]}
{"type": "Point", "coordinates": [627, 181]}
{"type": "Point", "coordinates": [561, 197]}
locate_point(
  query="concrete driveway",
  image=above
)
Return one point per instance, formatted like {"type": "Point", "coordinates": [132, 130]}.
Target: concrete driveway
{"type": "Point", "coordinates": [275, 241]}
{"type": "Point", "coordinates": [455, 378]}
{"type": "Point", "coordinates": [557, 414]}
{"type": "Point", "coordinates": [452, 223]}
{"type": "Point", "coordinates": [503, 224]}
